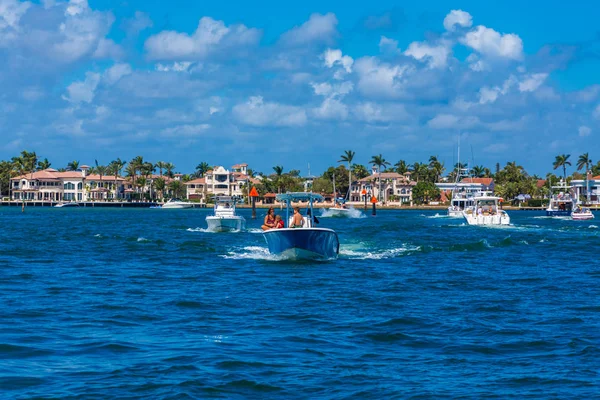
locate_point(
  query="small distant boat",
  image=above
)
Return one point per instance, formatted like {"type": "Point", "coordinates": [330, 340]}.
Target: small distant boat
{"type": "Point", "coordinates": [340, 208]}
{"type": "Point", "coordinates": [486, 211]}
{"type": "Point", "coordinates": [561, 203]}
{"type": "Point", "coordinates": [225, 218]}
{"type": "Point", "coordinates": [70, 204]}
{"type": "Point", "coordinates": [306, 242]}
{"type": "Point", "coordinates": [582, 214]}
{"type": "Point", "coordinates": [177, 204]}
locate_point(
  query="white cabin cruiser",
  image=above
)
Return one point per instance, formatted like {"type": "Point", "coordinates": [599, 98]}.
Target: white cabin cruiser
{"type": "Point", "coordinates": [561, 202]}
{"type": "Point", "coordinates": [177, 204]}
{"type": "Point", "coordinates": [460, 202]}
{"type": "Point", "coordinates": [582, 214]}
{"type": "Point", "coordinates": [486, 211]}
{"type": "Point", "coordinates": [225, 218]}
{"type": "Point", "coordinates": [70, 204]}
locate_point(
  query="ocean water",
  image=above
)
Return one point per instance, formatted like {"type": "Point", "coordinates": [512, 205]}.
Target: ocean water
{"type": "Point", "coordinates": [134, 303]}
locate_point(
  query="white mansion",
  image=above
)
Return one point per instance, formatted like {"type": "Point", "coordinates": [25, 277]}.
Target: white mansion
{"type": "Point", "coordinates": [220, 181]}
{"type": "Point", "coordinates": [52, 185]}
{"type": "Point", "coordinates": [395, 187]}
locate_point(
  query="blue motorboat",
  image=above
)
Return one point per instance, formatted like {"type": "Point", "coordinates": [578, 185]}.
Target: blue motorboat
{"type": "Point", "coordinates": [307, 241]}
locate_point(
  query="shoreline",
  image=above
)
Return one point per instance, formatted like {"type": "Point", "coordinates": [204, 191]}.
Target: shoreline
{"type": "Point", "coordinates": [98, 204]}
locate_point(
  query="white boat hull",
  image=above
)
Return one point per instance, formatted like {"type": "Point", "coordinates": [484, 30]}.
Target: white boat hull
{"type": "Point", "coordinates": [487, 220]}
{"type": "Point", "coordinates": [582, 216]}
{"type": "Point", "coordinates": [226, 224]}
{"type": "Point", "coordinates": [177, 206]}
{"type": "Point", "coordinates": [455, 213]}
{"type": "Point", "coordinates": [341, 212]}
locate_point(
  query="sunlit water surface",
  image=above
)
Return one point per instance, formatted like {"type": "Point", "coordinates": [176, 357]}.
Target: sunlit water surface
{"type": "Point", "coordinates": [132, 303]}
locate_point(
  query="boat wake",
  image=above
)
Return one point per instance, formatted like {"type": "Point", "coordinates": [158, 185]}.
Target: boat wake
{"type": "Point", "coordinates": [251, 253]}
{"type": "Point", "coordinates": [352, 213]}
{"type": "Point", "coordinates": [359, 254]}
{"type": "Point", "coordinates": [205, 230]}
{"type": "Point", "coordinates": [437, 215]}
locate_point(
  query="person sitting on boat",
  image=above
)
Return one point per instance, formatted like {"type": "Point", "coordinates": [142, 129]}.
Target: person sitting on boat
{"type": "Point", "coordinates": [278, 222]}
{"type": "Point", "coordinates": [269, 222]}
{"type": "Point", "coordinates": [297, 219]}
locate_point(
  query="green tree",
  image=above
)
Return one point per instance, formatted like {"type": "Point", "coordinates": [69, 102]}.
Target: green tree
{"type": "Point", "coordinates": [360, 171]}
{"type": "Point", "coordinates": [44, 164]}
{"type": "Point", "coordinates": [160, 165]}
{"type": "Point", "coordinates": [379, 162]}
{"type": "Point", "coordinates": [436, 167]}
{"type": "Point", "coordinates": [169, 168]}
{"type": "Point", "coordinates": [202, 169]}
{"type": "Point", "coordinates": [562, 160]}
{"type": "Point", "coordinates": [116, 167]}
{"type": "Point", "coordinates": [73, 166]}
{"type": "Point", "coordinates": [401, 167]}
{"type": "Point", "coordinates": [177, 188]}
{"type": "Point", "coordinates": [424, 192]}
{"type": "Point", "coordinates": [278, 173]}
{"type": "Point", "coordinates": [584, 161]}
{"type": "Point", "coordinates": [160, 186]}
{"type": "Point", "coordinates": [347, 157]}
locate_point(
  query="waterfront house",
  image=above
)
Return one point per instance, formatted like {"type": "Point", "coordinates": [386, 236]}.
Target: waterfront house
{"type": "Point", "coordinates": [220, 182]}
{"type": "Point", "coordinates": [580, 188]}
{"type": "Point", "coordinates": [55, 186]}
{"type": "Point", "coordinates": [395, 188]}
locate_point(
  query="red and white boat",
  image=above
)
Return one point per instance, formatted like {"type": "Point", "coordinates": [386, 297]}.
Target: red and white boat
{"type": "Point", "coordinates": [582, 214]}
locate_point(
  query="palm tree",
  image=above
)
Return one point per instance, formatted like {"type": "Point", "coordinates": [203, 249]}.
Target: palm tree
{"type": "Point", "coordinates": [401, 167]}
{"type": "Point", "coordinates": [379, 161]}
{"type": "Point", "coordinates": [436, 167]}
{"type": "Point", "coordinates": [160, 165]}
{"type": "Point", "coordinates": [117, 165]}
{"type": "Point", "coordinates": [478, 171]}
{"type": "Point", "coordinates": [160, 186]}
{"type": "Point", "coordinates": [348, 156]}
{"type": "Point", "coordinates": [202, 169]}
{"type": "Point", "coordinates": [169, 167]}
{"type": "Point", "coordinates": [101, 170]}
{"type": "Point", "coordinates": [42, 165]}
{"type": "Point", "coordinates": [584, 161]}
{"type": "Point", "coordinates": [73, 166]}
{"type": "Point", "coordinates": [562, 161]}
{"type": "Point", "coordinates": [19, 169]}
{"type": "Point", "coordinates": [177, 188]}
{"type": "Point", "coordinates": [278, 171]}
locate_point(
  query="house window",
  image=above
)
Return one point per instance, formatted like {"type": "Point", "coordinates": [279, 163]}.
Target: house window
{"type": "Point", "coordinates": [80, 186]}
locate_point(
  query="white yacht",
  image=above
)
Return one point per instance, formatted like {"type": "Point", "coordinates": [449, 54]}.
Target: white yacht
{"type": "Point", "coordinates": [561, 202]}
{"type": "Point", "coordinates": [225, 218]}
{"type": "Point", "coordinates": [339, 209]}
{"type": "Point", "coordinates": [177, 204]}
{"type": "Point", "coordinates": [486, 211]}
{"type": "Point", "coordinates": [459, 203]}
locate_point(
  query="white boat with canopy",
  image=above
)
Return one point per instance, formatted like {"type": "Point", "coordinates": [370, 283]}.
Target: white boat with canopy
{"type": "Point", "coordinates": [225, 218]}
{"type": "Point", "coordinates": [486, 211]}
{"type": "Point", "coordinates": [177, 204]}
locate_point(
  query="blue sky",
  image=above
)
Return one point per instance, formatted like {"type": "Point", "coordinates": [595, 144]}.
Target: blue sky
{"type": "Point", "coordinates": [280, 83]}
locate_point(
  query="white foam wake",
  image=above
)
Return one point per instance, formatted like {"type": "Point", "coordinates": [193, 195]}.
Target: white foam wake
{"type": "Point", "coordinates": [351, 213]}
{"type": "Point", "coordinates": [377, 255]}
{"type": "Point", "coordinates": [251, 253]}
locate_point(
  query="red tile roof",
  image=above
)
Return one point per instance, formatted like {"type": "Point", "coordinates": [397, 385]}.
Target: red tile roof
{"type": "Point", "coordinates": [540, 183]}
{"type": "Point", "coordinates": [483, 181]}
{"type": "Point", "coordinates": [196, 181]}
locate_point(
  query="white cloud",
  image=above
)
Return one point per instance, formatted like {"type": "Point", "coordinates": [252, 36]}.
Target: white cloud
{"type": "Point", "coordinates": [388, 46]}
{"type": "Point", "coordinates": [76, 7]}
{"type": "Point", "coordinates": [584, 131]}
{"type": "Point", "coordinates": [596, 112]}
{"type": "Point", "coordinates": [210, 37]}
{"type": "Point", "coordinates": [532, 82]}
{"type": "Point", "coordinates": [491, 94]}
{"type": "Point", "coordinates": [493, 44]}
{"type": "Point", "coordinates": [116, 72]}
{"type": "Point", "coordinates": [319, 28]}
{"type": "Point", "coordinates": [436, 56]}
{"type": "Point", "coordinates": [329, 90]}
{"type": "Point", "coordinates": [450, 121]}
{"type": "Point", "coordinates": [185, 131]}
{"type": "Point", "coordinates": [83, 91]}
{"type": "Point", "coordinates": [457, 17]}
{"type": "Point", "coordinates": [11, 12]}
{"type": "Point", "coordinates": [182, 66]}
{"type": "Point", "coordinates": [333, 57]}
{"type": "Point", "coordinates": [496, 148]}
{"type": "Point", "coordinates": [373, 112]}
{"type": "Point", "coordinates": [377, 79]}
{"type": "Point", "coordinates": [331, 109]}
{"type": "Point", "coordinates": [108, 49]}
{"type": "Point", "coordinates": [257, 112]}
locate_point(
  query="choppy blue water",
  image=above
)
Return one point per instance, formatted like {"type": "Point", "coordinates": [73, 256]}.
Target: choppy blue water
{"type": "Point", "coordinates": [119, 303]}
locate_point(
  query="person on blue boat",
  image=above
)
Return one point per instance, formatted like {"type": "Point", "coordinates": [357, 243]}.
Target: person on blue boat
{"type": "Point", "coordinates": [297, 219]}
{"type": "Point", "coordinates": [269, 222]}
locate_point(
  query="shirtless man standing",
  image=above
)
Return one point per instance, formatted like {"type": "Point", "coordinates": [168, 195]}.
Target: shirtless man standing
{"type": "Point", "coordinates": [297, 220]}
